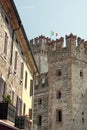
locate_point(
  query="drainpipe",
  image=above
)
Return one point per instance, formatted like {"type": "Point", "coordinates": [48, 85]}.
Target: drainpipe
{"type": "Point", "coordinates": [13, 32]}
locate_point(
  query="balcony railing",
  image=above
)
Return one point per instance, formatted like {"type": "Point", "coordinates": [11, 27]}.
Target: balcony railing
{"type": "Point", "coordinates": [22, 122]}
{"type": "Point", "coordinates": [7, 111]}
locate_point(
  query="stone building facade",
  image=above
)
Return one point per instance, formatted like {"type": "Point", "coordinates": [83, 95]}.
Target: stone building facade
{"type": "Point", "coordinates": [66, 90]}
{"type": "Point", "coordinates": [17, 64]}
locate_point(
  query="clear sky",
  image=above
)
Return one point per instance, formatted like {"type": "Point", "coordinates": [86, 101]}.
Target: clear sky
{"type": "Point", "coordinates": [40, 17]}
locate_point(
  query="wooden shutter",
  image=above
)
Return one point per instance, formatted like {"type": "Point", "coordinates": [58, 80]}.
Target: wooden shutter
{"type": "Point", "coordinates": [25, 79]}
{"type": "Point", "coordinates": [24, 109]}
{"type": "Point", "coordinates": [15, 62]}
{"type": "Point", "coordinates": [31, 87]}
{"type": "Point", "coordinates": [21, 73]}
{"type": "Point", "coordinates": [5, 44]}
{"type": "Point", "coordinates": [2, 88]}
{"type": "Point", "coordinates": [17, 106]}
{"type": "Point", "coordinates": [12, 96]}
{"type": "Point", "coordinates": [30, 113]}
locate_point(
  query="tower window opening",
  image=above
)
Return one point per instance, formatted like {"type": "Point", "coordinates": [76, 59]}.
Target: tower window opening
{"type": "Point", "coordinates": [81, 73]}
{"type": "Point", "coordinates": [39, 101]}
{"type": "Point", "coordinates": [58, 72]}
{"type": "Point", "coordinates": [39, 120]}
{"type": "Point", "coordinates": [59, 115]}
{"type": "Point", "coordinates": [58, 94]}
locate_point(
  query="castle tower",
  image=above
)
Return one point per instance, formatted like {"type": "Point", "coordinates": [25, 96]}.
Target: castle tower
{"type": "Point", "coordinates": [39, 49]}
{"type": "Point", "coordinates": [40, 112]}
{"type": "Point", "coordinates": [67, 79]}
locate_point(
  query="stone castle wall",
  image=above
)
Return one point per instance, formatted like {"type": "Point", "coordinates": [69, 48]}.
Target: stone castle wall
{"type": "Point", "coordinates": [72, 62]}
{"type": "Point", "coordinates": [67, 85]}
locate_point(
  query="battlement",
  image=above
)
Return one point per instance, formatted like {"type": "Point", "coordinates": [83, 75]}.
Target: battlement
{"type": "Point", "coordinates": [38, 40]}
{"type": "Point", "coordinates": [73, 48]}
{"type": "Point", "coordinates": [39, 44]}
{"type": "Point", "coordinates": [72, 42]}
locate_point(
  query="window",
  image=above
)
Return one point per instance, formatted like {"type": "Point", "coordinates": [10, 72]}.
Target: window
{"type": "Point", "coordinates": [12, 96]}
{"type": "Point", "coordinates": [39, 123]}
{"type": "Point", "coordinates": [83, 120]}
{"type": "Point", "coordinates": [2, 87]}
{"type": "Point", "coordinates": [82, 112]}
{"type": "Point", "coordinates": [15, 62]}
{"type": "Point", "coordinates": [58, 94]}
{"type": "Point", "coordinates": [24, 109]}
{"type": "Point", "coordinates": [58, 72]}
{"type": "Point", "coordinates": [26, 79]}
{"type": "Point", "coordinates": [21, 71]}
{"type": "Point", "coordinates": [39, 101]}
{"type": "Point", "coordinates": [43, 85]}
{"type": "Point", "coordinates": [18, 106]}
{"type": "Point", "coordinates": [81, 73]}
{"type": "Point", "coordinates": [31, 87]}
{"type": "Point", "coordinates": [30, 113]}
{"type": "Point", "coordinates": [58, 115]}
{"type": "Point", "coordinates": [5, 44]}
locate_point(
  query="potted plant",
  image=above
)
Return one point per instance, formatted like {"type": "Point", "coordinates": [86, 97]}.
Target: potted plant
{"type": "Point", "coordinates": [6, 98]}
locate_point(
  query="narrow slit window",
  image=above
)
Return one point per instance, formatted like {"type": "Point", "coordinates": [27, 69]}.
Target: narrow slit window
{"type": "Point", "coordinates": [81, 73]}
{"type": "Point", "coordinates": [59, 115]}
{"type": "Point", "coordinates": [39, 120]}
{"type": "Point", "coordinates": [39, 101]}
{"type": "Point", "coordinates": [58, 94]}
{"type": "Point", "coordinates": [58, 72]}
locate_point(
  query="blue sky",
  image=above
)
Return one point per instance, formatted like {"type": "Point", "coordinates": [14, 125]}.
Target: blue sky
{"type": "Point", "coordinates": [40, 17]}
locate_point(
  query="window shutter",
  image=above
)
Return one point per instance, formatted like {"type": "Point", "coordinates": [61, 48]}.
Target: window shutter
{"type": "Point", "coordinates": [5, 44]}
{"type": "Point", "coordinates": [31, 87]}
{"type": "Point", "coordinates": [24, 109]}
{"type": "Point", "coordinates": [25, 79]}
{"type": "Point", "coordinates": [15, 63]}
{"type": "Point", "coordinates": [20, 106]}
{"type": "Point", "coordinates": [17, 106]}
{"type": "Point", "coordinates": [21, 73]}
{"type": "Point", "coordinates": [12, 96]}
{"type": "Point", "coordinates": [2, 88]}
{"type": "Point", "coordinates": [30, 113]}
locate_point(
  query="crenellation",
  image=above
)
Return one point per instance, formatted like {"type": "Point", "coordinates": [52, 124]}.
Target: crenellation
{"type": "Point", "coordinates": [71, 41]}
{"type": "Point", "coordinates": [85, 45]}
{"type": "Point", "coordinates": [74, 46]}
{"type": "Point", "coordinates": [59, 43]}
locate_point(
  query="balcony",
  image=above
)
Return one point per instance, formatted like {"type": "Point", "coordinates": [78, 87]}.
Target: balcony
{"type": "Point", "coordinates": [22, 122]}
{"type": "Point", "coordinates": [7, 111]}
